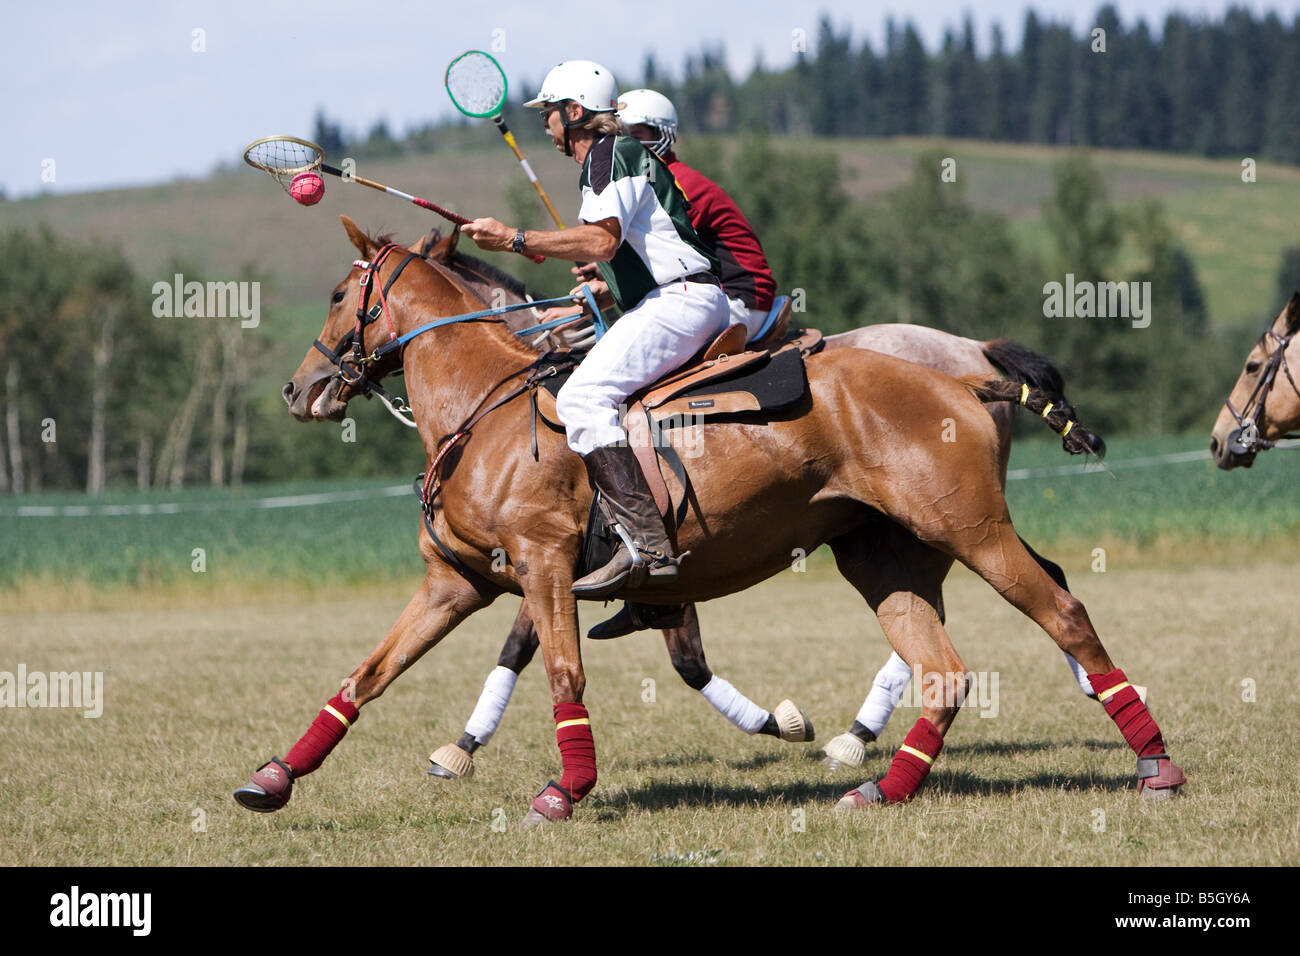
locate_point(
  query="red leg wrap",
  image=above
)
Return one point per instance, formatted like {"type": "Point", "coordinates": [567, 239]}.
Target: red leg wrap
{"type": "Point", "coordinates": [1129, 713]}
{"type": "Point", "coordinates": [908, 771]}
{"type": "Point", "coordinates": [322, 736]}
{"type": "Point", "coordinates": [577, 749]}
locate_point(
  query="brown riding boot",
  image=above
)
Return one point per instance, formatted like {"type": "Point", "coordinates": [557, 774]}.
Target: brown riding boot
{"type": "Point", "coordinates": [630, 509]}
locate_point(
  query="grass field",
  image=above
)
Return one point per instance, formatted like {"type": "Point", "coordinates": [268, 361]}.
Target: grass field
{"type": "Point", "coordinates": [194, 699]}
{"type": "Point", "coordinates": [206, 675]}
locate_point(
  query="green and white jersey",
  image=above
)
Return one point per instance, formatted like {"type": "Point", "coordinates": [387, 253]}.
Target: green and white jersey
{"type": "Point", "coordinates": [623, 180]}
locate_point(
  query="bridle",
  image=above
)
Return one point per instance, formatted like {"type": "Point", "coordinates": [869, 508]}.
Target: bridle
{"type": "Point", "coordinates": [1245, 438]}
{"type": "Point", "coordinates": [352, 370]}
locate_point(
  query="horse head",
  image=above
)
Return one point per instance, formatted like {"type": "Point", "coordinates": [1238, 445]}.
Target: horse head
{"type": "Point", "coordinates": [361, 318]}
{"type": "Point", "coordinates": [1264, 404]}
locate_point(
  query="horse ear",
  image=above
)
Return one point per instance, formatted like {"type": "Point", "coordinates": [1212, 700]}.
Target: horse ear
{"type": "Point", "coordinates": [421, 246]}
{"type": "Point", "coordinates": [443, 249]}
{"type": "Point", "coordinates": [359, 238]}
{"type": "Point", "coordinates": [1293, 307]}
{"type": "Point", "coordinates": [434, 246]}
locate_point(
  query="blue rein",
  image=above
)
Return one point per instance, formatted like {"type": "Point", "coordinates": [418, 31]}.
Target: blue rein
{"type": "Point", "coordinates": [597, 319]}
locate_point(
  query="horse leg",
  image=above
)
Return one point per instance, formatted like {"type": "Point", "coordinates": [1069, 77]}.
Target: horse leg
{"type": "Point", "coordinates": [850, 748]}
{"type": "Point", "coordinates": [686, 651]}
{"type": "Point", "coordinates": [901, 578]}
{"type": "Point", "coordinates": [443, 600]}
{"type": "Point", "coordinates": [1057, 575]}
{"type": "Point", "coordinates": [452, 761]}
{"type": "Point", "coordinates": [555, 615]}
{"type": "Point", "coordinates": [982, 538]}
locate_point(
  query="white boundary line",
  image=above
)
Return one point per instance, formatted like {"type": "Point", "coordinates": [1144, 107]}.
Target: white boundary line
{"type": "Point", "coordinates": [393, 491]}
{"type": "Point", "coordinates": [1098, 468]}
{"type": "Point", "coordinates": [171, 508]}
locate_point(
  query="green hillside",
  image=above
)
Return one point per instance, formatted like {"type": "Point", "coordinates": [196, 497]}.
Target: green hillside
{"type": "Point", "coordinates": [1234, 231]}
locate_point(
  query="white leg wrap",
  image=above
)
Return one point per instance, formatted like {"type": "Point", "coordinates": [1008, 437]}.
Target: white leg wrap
{"type": "Point", "coordinates": [486, 718]}
{"type": "Point", "coordinates": [886, 691]}
{"type": "Point", "coordinates": [1080, 675]}
{"type": "Point", "coordinates": [734, 705]}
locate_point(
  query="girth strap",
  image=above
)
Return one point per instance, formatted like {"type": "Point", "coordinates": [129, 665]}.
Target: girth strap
{"type": "Point", "coordinates": [480, 584]}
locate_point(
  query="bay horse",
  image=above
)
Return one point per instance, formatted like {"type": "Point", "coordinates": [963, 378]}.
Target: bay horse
{"type": "Point", "coordinates": [880, 456]}
{"type": "Point", "coordinates": [1264, 406]}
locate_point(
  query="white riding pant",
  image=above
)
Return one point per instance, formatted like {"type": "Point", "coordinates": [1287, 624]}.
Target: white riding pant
{"type": "Point", "coordinates": [751, 319]}
{"type": "Point", "coordinates": [666, 328]}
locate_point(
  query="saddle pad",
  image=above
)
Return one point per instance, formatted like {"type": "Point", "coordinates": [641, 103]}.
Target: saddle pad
{"type": "Point", "coordinates": [773, 386]}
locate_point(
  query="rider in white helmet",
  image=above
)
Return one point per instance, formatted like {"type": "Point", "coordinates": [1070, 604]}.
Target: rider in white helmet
{"type": "Point", "coordinates": [635, 226]}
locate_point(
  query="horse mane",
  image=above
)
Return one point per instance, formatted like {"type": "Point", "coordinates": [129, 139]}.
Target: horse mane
{"type": "Point", "coordinates": [493, 273]}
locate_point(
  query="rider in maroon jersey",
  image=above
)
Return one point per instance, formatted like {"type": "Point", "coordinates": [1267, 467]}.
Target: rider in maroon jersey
{"type": "Point", "coordinates": [746, 276]}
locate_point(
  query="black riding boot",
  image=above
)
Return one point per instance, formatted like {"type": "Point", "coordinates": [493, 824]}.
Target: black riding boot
{"type": "Point", "coordinates": [630, 510]}
{"type": "Point", "coordinates": [639, 617]}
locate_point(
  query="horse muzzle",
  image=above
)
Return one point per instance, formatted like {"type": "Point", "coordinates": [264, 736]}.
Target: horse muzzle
{"type": "Point", "coordinates": [318, 401]}
{"type": "Point", "coordinates": [1238, 450]}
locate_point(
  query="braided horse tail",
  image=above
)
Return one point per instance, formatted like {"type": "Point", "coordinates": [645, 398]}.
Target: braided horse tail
{"type": "Point", "coordinates": [1076, 439]}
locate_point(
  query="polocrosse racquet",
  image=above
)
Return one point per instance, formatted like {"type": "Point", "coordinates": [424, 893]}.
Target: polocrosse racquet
{"type": "Point", "coordinates": [477, 86]}
{"type": "Point", "coordinates": [287, 157]}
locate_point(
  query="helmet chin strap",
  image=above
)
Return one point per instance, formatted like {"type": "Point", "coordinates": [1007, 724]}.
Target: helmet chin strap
{"type": "Point", "coordinates": [569, 124]}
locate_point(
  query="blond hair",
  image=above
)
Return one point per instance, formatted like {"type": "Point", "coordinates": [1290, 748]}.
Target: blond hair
{"type": "Point", "coordinates": [606, 124]}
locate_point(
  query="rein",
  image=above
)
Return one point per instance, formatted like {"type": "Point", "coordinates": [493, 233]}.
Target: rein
{"type": "Point", "coordinates": [1245, 439]}
{"type": "Point", "coordinates": [352, 369]}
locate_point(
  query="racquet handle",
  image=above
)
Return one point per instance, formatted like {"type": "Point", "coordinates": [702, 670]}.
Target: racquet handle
{"type": "Point", "coordinates": [447, 214]}
{"type": "Point", "coordinates": [528, 170]}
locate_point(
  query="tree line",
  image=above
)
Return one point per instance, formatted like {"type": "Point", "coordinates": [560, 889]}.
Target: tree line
{"type": "Point", "coordinates": [97, 391]}
{"type": "Point", "coordinates": [1225, 87]}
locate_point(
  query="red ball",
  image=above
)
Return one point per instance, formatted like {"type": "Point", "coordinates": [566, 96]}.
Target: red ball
{"type": "Point", "coordinates": [307, 188]}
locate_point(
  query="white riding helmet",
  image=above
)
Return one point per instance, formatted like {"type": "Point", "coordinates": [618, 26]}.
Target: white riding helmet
{"type": "Point", "coordinates": [582, 81]}
{"type": "Point", "coordinates": [652, 109]}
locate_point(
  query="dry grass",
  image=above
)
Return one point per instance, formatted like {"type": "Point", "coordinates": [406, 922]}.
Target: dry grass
{"type": "Point", "coordinates": [196, 698]}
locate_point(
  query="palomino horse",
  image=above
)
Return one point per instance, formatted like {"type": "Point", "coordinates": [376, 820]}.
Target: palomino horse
{"type": "Point", "coordinates": [861, 464]}
{"type": "Point", "coordinates": [943, 351]}
{"type": "Point", "coordinates": [1264, 405]}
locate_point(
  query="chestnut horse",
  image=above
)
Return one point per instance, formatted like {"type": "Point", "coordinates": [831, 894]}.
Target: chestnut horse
{"type": "Point", "coordinates": [1264, 405]}
{"type": "Point", "coordinates": [943, 351]}
{"type": "Point", "coordinates": [867, 463]}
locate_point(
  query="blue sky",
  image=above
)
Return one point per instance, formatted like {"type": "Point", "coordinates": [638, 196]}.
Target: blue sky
{"type": "Point", "coordinates": [115, 94]}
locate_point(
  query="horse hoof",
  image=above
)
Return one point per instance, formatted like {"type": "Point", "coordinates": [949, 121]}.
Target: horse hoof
{"type": "Point", "coordinates": [451, 763]}
{"type": "Point", "coordinates": [552, 804]}
{"type": "Point", "coordinates": [268, 789]}
{"type": "Point", "coordinates": [793, 723]}
{"type": "Point", "coordinates": [1159, 778]}
{"type": "Point", "coordinates": [867, 795]}
{"type": "Point", "coordinates": [844, 751]}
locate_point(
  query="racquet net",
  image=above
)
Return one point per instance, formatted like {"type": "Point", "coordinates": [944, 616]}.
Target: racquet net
{"type": "Point", "coordinates": [476, 84]}
{"type": "Point", "coordinates": [284, 157]}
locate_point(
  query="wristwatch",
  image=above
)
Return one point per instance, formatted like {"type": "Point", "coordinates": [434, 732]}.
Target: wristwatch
{"type": "Point", "coordinates": [518, 244]}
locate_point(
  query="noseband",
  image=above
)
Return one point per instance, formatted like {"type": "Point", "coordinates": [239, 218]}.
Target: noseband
{"type": "Point", "coordinates": [1245, 439]}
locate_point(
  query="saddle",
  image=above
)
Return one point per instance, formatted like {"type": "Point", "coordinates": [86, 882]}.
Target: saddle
{"type": "Point", "coordinates": [726, 381]}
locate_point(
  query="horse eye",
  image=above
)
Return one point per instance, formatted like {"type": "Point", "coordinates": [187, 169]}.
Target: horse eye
{"type": "Point", "coordinates": [337, 297]}
{"type": "Point", "coordinates": [1252, 368]}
